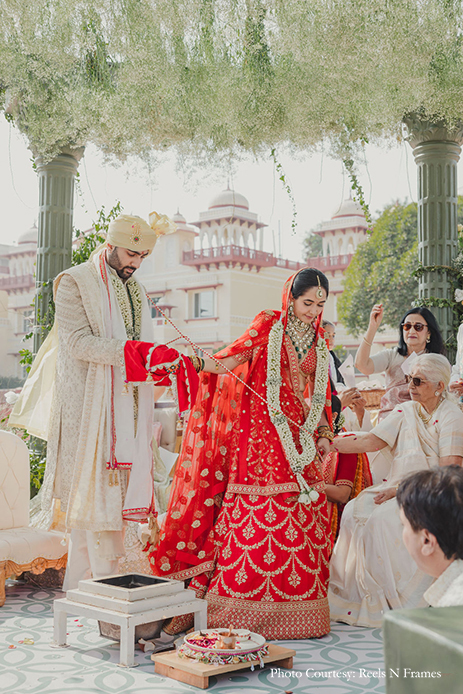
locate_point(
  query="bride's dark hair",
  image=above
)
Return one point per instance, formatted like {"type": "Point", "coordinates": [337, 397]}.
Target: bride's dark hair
{"type": "Point", "coordinates": [306, 279]}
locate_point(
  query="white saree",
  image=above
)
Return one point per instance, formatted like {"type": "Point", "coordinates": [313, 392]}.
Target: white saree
{"type": "Point", "coordinates": [371, 570]}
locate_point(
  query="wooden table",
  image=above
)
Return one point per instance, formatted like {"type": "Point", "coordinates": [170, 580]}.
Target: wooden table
{"type": "Point", "coordinates": [197, 674]}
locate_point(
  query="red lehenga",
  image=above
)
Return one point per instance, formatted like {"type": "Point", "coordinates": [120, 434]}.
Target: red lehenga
{"type": "Point", "coordinates": [234, 523]}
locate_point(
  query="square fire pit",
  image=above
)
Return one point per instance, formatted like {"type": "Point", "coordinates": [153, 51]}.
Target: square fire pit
{"type": "Point", "coordinates": [127, 600]}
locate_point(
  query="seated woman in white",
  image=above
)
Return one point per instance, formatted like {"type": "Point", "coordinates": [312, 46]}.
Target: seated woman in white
{"type": "Point", "coordinates": [371, 570]}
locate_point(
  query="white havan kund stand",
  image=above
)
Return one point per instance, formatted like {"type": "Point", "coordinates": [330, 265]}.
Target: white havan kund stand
{"type": "Point", "coordinates": [127, 601]}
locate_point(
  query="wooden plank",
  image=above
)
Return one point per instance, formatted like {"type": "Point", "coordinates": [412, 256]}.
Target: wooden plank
{"type": "Point", "coordinates": [181, 675]}
{"type": "Point", "coordinates": [173, 666]}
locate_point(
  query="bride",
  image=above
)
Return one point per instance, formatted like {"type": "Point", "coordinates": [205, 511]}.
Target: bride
{"type": "Point", "coordinates": [247, 520]}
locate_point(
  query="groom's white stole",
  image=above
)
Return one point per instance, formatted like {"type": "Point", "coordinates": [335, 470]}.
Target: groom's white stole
{"type": "Point", "coordinates": [125, 449]}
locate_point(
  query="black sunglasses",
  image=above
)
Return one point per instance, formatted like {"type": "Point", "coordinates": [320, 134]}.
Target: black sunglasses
{"type": "Point", "coordinates": [417, 382]}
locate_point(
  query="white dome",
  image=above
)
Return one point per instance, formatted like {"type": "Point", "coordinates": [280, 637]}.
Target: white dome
{"type": "Point", "coordinates": [29, 236]}
{"type": "Point", "coordinates": [349, 208]}
{"type": "Point", "coordinates": [229, 198]}
{"type": "Point", "coordinates": [178, 218]}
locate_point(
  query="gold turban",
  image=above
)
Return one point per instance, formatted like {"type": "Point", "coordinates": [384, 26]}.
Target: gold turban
{"type": "Point", "coordinates": [135, 234]}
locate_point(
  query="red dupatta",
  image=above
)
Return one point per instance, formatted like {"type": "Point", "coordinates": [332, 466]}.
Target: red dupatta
{"type": "Point", "coordinates": [185, 548]}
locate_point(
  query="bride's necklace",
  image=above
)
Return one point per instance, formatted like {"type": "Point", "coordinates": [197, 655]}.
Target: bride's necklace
{"type": "Point", "coordinates": [426, 418]}
{"type": "Point", "coordinates": [301, 334]}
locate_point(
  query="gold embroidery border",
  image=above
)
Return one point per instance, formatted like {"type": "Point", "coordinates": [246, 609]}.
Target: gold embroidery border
{"type": "Point", "coordinates": [320, 604]}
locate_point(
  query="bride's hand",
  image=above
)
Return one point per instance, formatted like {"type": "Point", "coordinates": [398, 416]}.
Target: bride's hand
{"type": "Point", "coordinates": [385, 495]}
{"type": "Point", "coordinates": [323, 447]}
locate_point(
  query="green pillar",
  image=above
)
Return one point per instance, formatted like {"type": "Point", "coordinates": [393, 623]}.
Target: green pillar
{"type": "Point", "coordinates": [436, 150]}
{"type": "Point", "coordinates": [54, 244]}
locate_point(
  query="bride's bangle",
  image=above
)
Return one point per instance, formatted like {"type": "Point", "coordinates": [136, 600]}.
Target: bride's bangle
{"type": "Point", "coordinates": [198, 363]}
{"type": "Point", "coordinates": [325, 432]}
{"type": "Point", "coordinates": [370, 344]}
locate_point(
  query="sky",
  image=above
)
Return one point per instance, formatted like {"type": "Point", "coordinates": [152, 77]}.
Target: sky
{"type": "Point", "coordinates": [317, 183]}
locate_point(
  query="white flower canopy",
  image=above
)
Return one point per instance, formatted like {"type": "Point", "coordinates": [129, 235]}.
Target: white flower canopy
{"type": "Point", "coordinates": [217, 77]}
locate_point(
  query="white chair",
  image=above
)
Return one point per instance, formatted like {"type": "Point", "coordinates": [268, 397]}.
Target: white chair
{"type": "Point", "coordinates": [22, 548]}
{"type": "Point", "coordinates": [167, 416]}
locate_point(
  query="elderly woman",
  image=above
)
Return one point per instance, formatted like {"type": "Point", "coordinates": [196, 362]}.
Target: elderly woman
{"type": "Point", "coordinates": [371, 570]}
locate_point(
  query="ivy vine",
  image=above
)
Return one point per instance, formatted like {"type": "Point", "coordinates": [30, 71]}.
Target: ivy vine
{"type": "Point", "coordinates": [357, 190]}
{"type": "Point", "coordinates": [287, 188]}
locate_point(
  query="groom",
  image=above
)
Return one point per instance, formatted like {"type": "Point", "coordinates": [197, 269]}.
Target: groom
{"type": "Point", "coordinates": [99, 457]}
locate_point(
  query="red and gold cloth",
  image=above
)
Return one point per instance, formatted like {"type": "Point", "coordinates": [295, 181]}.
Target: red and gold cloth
{"type": "Point", "coordinates": [160, 365]}
{"type": "Point", "coordinates": [234, 523]}
{"type": "Point", "coordinates": [349, 469]}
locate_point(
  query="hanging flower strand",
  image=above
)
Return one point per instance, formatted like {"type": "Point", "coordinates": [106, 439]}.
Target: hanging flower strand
{"type": "Point", "coordinates": [357, 191]}
{"type": "Point", "coordinates": [286, 186]}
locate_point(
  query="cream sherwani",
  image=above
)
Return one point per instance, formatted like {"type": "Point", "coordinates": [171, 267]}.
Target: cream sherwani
{"type": "Point", "coordinates": [78, 444]}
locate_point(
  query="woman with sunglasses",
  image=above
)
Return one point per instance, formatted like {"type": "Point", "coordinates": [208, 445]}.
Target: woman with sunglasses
{"type": "Point", "coordinates": [371, 570]}
{"type": "Point", "coordinates": [418, 333]}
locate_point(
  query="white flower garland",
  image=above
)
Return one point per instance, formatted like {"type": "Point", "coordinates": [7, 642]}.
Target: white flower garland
{"type": "Point", "coordinates": [298, 461]}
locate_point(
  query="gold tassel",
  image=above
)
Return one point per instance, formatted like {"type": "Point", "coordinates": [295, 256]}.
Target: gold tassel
{"type": "Point", "coordinates": [116, 478]}
{"type": "Point", "coordinates": [110, 478]}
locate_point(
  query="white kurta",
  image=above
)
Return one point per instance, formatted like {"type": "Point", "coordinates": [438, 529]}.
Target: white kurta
{"type": "Point", "coordinates": [371, 570]}
{"type": "Point", "coordinates": [447, 589]}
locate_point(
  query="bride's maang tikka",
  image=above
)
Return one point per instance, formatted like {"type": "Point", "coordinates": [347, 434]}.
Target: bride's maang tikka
{"type": "Point", "coordinates": [319, 290]}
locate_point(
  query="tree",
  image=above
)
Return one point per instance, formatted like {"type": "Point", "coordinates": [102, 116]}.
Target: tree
{"type": "Point", "coordinates": [384, 270]}
{"type": "Point", "coordinates": [381, 270]}
{"type": "Point", "coordinates": [312, 245]}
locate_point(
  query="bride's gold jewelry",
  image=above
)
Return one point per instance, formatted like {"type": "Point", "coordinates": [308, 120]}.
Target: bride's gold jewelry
{"type": "Point", "coordinates": [301, 334]}
{"type": "Point", "coordinates": [324, 432]}
{"type": "Point", "coordinates": [319, 290]}
{"type": "Point", "coordinates": [198, 363]}
{"type": "Point", "coordinates": [426, 418]}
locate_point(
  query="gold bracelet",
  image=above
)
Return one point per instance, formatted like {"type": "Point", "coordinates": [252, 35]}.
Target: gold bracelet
{"type": "Point", "coordinates": [196, 361]}
{"type": "Point", "coordinates": [370, 344]}
{"type": "Point", "coordinates": [325, 433]}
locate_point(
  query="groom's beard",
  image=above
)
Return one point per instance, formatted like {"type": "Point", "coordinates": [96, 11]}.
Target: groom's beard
{"type": "Point", "coordinates": [124, 271]}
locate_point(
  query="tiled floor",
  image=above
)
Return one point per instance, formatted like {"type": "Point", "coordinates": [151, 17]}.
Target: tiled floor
{"type": "Point", "coordinates": [336, 664]}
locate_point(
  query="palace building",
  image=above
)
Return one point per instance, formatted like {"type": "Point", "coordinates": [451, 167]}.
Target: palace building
{"type": "Point", "coordinates": [341, 236]}
{"type": "Point", "coordinates": [211, 277]}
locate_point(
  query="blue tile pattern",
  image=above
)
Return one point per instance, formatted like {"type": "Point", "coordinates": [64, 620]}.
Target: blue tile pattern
{"type": "Point", "coordinates": [346, 661]}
